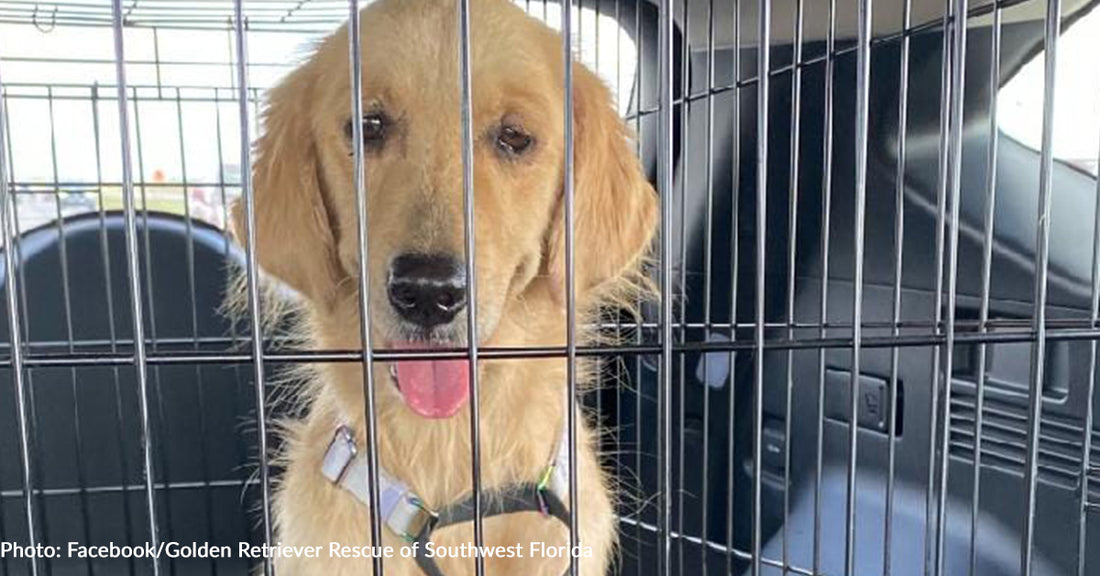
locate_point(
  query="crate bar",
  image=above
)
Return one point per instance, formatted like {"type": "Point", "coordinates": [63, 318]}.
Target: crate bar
{"type": "Point", "coordinates": [568, 186]}
{"type": "Point", "coordinates": [7, 207]}
{"type": "Point", "coordinates": [63, 254]}
{"type": "Point", "coordinates": [188, 221]}
{"type": "Point", "coordinates": [823, 305]}
{"type": "Point", "coordinates": [200, 386]}
{"type": "Point", "coordinates": [708, 251]}
{"type": "Point", "coordinates": [175, 356]}
{"type": "Point", "coordinates": [763, 59]}
{"type": "Point", "coordinates": [665, 187]}
{"type": "Point", "coordinates": [355, 61]}
{"type": "Point", "coordinates": [335, 356]}
{"type": "Point", "coordinates": [937, 312]}
{"type": "Point", "coordinates": [638, 336]}
{"type": "Point", "coordinates": [735, 209]}
{"type": "Point", "coordinates": [863, 90]}
{"type": "Point", "coordinates": [125, 488]}
{"type": "Point", "coordinates": [987, 274]}
{"type": "Point", "coordinates": [685, 159]}
{"type": "Point", "coordinates": [156, 58]}
{"type": "Point", "coordinates": [954, 172]}
{"type": "Point", "coordinates": [1086, 458]}
{"type": "Point", "coordinates": [1090, 390]}
{"type": "Point", "coordinates": [895, 311]}
{"type": "Point", "coordinates": [252, 270]}
{"type": "Point", "coordinates": [202, 3]}
{"type": "Point", "coordinates": [213, 13]}
{"type": "Point", "coordinates": [466, 81]}
{"type": "Point", "coordinates": [158, 422]}
{"type": "Point", "coordinates": [32, 410]}
{"type": "Point", "coordinates": [614, 86]}
{"type": "Point", "coordinates": [134, 270]}
{"type": "Point", "coordinates": [132, 62]}
{"type": "Point", "coordinates": [792, 236]}
{"type": "Point", "coordinates": [618, 445]}
{"type": "Point", "coordinates": [137, 97]}
{"type": "Point", "coordinates": [150, 301]}
{"type": "Point", "coordinates": [266, 26]}
{"type": "Point", "coordinates": [319, 21]}
{"type": "Point", "coordinates": [227, 243]}
{"type": "Point", "coordinates": [1042, 258]}
{"type": "Point", "coordinates": [124, 466]}
{"type": "Point", "coordinates": [961, 325]}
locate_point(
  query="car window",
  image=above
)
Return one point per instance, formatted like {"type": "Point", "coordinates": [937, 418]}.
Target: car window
{"type": "Point", "coordinates": [1076, 99]}
{"type": "Point", "coordinates": [64, 156]}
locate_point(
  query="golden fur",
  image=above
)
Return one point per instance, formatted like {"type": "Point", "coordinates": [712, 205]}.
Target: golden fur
{"type": "Point", "coordinates": [306, 237]}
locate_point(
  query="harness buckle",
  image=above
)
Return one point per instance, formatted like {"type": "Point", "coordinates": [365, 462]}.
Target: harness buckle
{"type": "Point", "coordinates": [410, 517]}
{"type": "Point", "coordinates": [540, 489]}
{"type": "Point", "coordinates": [545, 477]}
{"type": "Point", "coordinates": [339, 455]}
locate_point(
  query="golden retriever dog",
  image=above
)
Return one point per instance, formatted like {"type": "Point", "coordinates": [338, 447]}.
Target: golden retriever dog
{"type": "Point", "coordinates": [306, 237]}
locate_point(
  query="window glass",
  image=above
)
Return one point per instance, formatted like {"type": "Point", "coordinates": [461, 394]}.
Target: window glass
{"type": "Point", "coordinates": [63, 134]}
{"type": "Point", "coordinates": [1076, 133]}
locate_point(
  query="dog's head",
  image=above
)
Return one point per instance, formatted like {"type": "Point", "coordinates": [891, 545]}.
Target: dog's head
{"type": "Point", "coordinates": [305, 211]}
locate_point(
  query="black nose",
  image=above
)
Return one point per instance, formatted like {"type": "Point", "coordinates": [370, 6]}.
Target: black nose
{"type": "Point", "coordinates": [427, 289]}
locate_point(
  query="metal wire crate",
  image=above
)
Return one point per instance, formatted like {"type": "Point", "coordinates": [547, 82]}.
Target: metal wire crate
{"type": "Point", "coordinates": [883, 200]}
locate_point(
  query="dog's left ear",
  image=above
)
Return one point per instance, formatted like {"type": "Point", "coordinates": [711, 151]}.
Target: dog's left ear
{"type": "Point", "coordinates": [614, 206]}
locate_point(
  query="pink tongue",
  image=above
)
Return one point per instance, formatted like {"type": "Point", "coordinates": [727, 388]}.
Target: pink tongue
{"type": "Point", "coordinates": [433, 388]}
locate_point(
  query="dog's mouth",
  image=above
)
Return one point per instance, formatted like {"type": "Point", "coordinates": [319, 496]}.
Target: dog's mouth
{"type": "Point", "coordinates": [435, 388]}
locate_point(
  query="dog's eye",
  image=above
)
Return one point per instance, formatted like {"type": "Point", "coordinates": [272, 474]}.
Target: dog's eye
{"type": "Point", "coordinates": [375, 126]}
{"type": "Point", "coordinates": [513, 141]}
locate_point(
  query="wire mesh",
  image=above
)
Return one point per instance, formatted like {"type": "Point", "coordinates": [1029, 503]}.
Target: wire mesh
{"type": "Point", "coordinates": [877, 314]}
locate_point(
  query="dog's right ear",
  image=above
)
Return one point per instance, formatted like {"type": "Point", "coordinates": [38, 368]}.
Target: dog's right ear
{"type": "Point", "coordinates": [294, 235]}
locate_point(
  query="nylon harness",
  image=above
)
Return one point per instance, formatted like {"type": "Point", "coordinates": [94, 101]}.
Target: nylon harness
{"type": "Point", "coordinates": [406, 514]}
